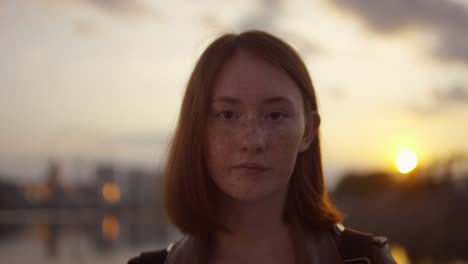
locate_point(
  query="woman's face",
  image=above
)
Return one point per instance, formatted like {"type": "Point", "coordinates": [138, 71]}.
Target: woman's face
{"type": "Point", "coordinates": [256, 128]}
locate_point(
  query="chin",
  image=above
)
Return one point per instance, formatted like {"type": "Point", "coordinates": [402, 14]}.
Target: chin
{"type": "Point", "coordinates": [250, 195]}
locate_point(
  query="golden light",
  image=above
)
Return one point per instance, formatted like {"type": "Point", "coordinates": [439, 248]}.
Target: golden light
{"type": "Point", "coordinates": [399, 254]}
{"type": "Point", "coordinates": [406, 161]}
{"type": "Point", "coordinates": [110, 228]}
{"type": "Point", "coordinates": [111, 192]}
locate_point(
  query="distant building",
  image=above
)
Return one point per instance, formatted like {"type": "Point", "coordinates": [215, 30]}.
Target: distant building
{"type": "Point", "coordinates": [11, 195]}
{"type": "Point", "coordinates": [56, 197]}
{"type": "Point", "coordinates": [142, 188]}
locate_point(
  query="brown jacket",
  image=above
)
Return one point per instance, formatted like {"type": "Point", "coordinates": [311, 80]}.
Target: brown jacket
{"type": "Point", "coordinates": [321, 247]}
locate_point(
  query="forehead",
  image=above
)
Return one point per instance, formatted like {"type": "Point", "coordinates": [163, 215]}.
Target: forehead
{"type": "Point", "coordinates": [246, 76]}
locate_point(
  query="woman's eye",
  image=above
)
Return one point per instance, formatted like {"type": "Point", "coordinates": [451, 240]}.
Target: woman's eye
{"type": "Point", "coordinates": [275, 115]}
{"type": "Point", "coordinates": [227, 115]}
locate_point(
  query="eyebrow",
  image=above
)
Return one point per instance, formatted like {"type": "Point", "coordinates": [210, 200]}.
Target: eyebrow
{"type": "Point", "coordinates": [278, 99]}
{"type": "Point", "coordinates": [227, 99]}
{"type": "Point", "coordinates": [271, 100]}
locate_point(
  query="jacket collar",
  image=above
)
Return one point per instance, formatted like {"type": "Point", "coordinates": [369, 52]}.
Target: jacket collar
{"type": "Point", "coordinates": [320, 247]}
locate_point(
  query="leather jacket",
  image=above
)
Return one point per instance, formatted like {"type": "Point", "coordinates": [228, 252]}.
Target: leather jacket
{"type": "Point", "coordinates": [321, 247]}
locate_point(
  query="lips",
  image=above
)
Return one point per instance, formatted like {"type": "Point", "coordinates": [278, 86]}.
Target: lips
{"type": "Point", "coordinates": [252, 166]}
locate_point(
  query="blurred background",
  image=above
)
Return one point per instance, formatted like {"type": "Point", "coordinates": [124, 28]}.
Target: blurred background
{"type": "Point", "coordinates": [90, 92]}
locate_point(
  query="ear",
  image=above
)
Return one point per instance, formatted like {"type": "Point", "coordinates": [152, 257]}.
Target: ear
{"type": "Point", "coordinates": [312, 123]}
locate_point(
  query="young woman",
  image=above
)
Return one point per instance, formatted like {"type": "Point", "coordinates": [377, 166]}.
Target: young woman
{"type": "Point", "coordinates": [244, 180]}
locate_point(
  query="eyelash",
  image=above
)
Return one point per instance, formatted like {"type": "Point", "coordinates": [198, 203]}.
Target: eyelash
{"type": "Point", "coordinates": [221, 115]}
{"type": "Point", "coordinates": [281, 115]}
{"type": "Point", "coordinates": [268, 116]}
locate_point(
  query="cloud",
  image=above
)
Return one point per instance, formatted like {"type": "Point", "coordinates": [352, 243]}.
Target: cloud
{"type": "Point", "coordinates": [121, 7]}
{"type": "Point", "coordinates": [304, 45]}
{"type": "Point", "coordinates": [265, 18]}
{"type": "Point", "coordinates": [448, 19]}
{"type": "Point", "coordinates": [442, 100]}
{"type": "Point", "coordinates": [455, 95]}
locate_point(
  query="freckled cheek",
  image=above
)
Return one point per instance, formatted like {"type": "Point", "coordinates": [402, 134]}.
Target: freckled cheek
{"type": "Point", "coordinates": [285, 140]}
{"type": "Point", "coordinates": [283, 153]}
{"type": "Point", "coordinates": [224, 137]}
{"type": "Point", "coordinates": [220, 147]}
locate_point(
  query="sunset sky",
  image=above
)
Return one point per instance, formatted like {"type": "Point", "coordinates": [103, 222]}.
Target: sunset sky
{"type": "Point", "coordinates": [86, 80]}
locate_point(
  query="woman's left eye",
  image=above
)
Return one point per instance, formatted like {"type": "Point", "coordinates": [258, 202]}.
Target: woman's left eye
{"type": "Point", "coordinates": [275, 115]}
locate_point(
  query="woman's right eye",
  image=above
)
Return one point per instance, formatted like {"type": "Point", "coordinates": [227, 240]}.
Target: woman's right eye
{"type": "Point", "coordinates": [228, 115]}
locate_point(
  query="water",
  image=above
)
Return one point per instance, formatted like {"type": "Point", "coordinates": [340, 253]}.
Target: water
{"type": "Point", "coordinates": [69, 236]}
{"type": "Point", "coordinates": [80, 236]}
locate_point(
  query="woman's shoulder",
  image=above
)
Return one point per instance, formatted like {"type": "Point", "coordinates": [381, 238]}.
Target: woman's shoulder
{"type": "Point", "coordinates": [151, 257]}
{"type": "Point", "coordinates": [360, 247]}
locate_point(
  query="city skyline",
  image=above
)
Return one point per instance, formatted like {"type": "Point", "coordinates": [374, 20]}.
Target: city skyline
{"type": "Point", "coordinates": [88, 80]}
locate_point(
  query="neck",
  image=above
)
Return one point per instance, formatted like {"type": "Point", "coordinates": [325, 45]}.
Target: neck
{"type": "Point", "coordinates": [255, 227]}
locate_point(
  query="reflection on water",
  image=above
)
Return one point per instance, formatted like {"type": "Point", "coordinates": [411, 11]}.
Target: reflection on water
{"type": "Point", "coordinates": [80, 236]}
{"type": "Point", "coordinates": [92, 237]}
{"type": "Point", "coordinates": [110, 227]}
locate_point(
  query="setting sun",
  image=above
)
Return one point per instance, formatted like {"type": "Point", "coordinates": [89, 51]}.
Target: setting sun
{"type": "Point", "coordinates": [406, 161]}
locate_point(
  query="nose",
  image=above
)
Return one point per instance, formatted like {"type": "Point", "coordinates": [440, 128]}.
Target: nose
{"type": "Point", "coordinates": [253, 137]}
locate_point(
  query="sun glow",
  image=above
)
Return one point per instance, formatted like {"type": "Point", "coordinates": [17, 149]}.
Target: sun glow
{"type": "Point", "coordinates": [400, 255]}
{"type": "Point", "coordinates": [406, 161]}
